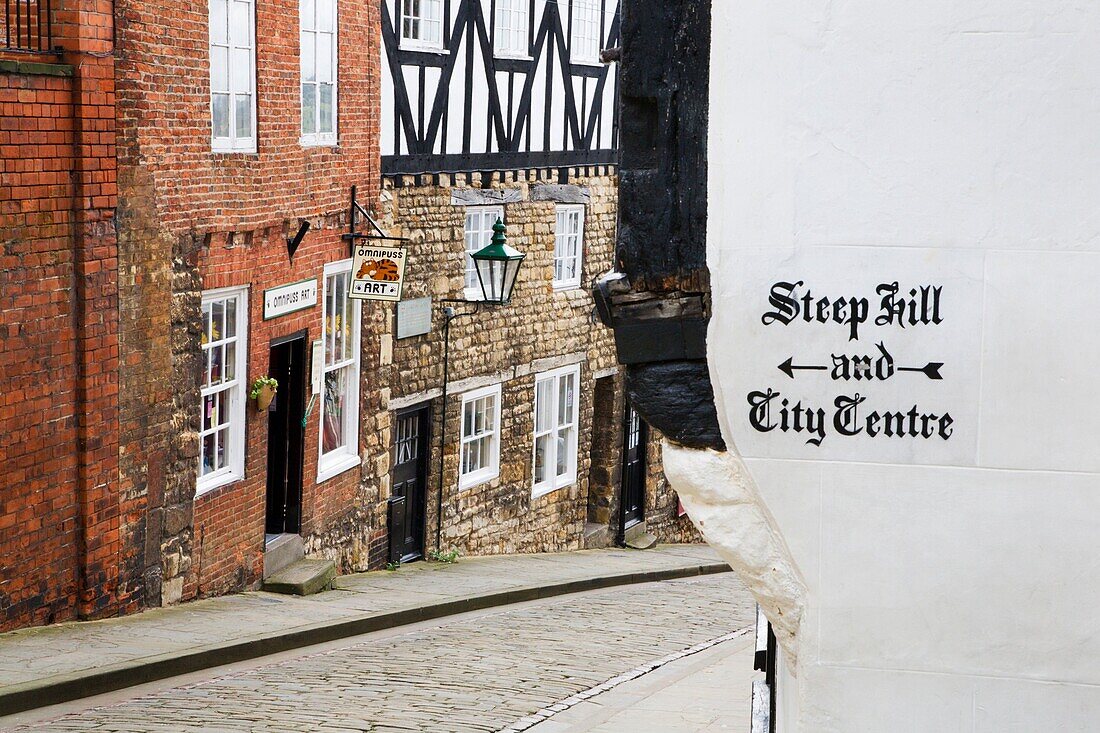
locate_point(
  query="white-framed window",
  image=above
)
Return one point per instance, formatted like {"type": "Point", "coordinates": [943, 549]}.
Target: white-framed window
{"type": "Point", "coordinates": [479, 452]}
{"type": "Point", "coordinates": [338, 445]}
{"type": "Point", "coordinates": [585, 32]}
{"type": "Point", "coordinates": [555, 449]}
{"type": "Point", "coordinates": [422, 24]}
{"type": "Point", "coordinates": [233, 75]}
{"type": "Point", "coordinates": [478, 233]}
{"type": "Point", "coordinates": [510, 35]}
{"type": "Point", "coordinates": [318, 60]}
{"type": "Point", "coordinates": [568, 246]}
{"type": "Point", "coordinates": [223, 395]}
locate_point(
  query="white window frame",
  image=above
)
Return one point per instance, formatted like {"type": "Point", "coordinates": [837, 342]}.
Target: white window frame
{"type": "Point", "coordinates": [492, 470]}
{"type": "Point", "coordinates": [235, 390]}
{"type": "Point", "coordinates": [562, 239]}
{"type": "Point", "coordinates": [512, 29]}
{"type": "Point", "coordinates": [553, 482]}
{"type": "Point", "coordinates": [310, 27]}
{"type": "Point", "coordinates": [346, 457]}
{"type": "Point", "coordinates": [418, 43]}
{"type": "Point", "coordinates": [584, 47]}
{"type": "Point", "coordinates": [474, 239]}
{"type": "Point", "coordinates": [232, 143]}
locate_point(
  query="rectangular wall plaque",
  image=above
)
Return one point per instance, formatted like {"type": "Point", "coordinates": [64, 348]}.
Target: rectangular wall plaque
{"type": "Point", "coordinates": [317, 368]}
{"type": "Point", "coordinates": [414, 317]}
{"type": "Point", "coordinates": [279, 301]}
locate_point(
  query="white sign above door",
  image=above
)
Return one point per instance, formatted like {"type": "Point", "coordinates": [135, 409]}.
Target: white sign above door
{"type": "Point", "coordinates": [279, 301]}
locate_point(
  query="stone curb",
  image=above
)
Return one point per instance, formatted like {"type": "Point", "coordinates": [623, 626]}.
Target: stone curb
{"type": "Point", "coordinates": [77, 685]}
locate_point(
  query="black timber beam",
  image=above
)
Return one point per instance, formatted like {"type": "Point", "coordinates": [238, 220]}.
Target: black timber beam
{"type": "Point", "coordinates": [660, 308]}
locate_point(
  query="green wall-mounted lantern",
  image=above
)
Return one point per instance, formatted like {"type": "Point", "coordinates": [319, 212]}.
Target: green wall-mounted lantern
{"type": "Point", "coordinates": [497, 267]}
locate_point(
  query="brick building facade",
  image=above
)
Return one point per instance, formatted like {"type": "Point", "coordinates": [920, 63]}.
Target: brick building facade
{"type": "Point", "coordinates": [63, 547]}
{"type": "Point", "coordinates": [204, 228]}
{"type": "Point", "coordinates": [157, 164]}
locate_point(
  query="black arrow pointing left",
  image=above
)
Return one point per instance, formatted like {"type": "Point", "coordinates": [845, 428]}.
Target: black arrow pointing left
{"type": "Point", "coordinates": [789, 368]}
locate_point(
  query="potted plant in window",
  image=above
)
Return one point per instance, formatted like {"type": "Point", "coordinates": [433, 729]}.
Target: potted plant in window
{"type": "Point", "coordinates": [263, 391]}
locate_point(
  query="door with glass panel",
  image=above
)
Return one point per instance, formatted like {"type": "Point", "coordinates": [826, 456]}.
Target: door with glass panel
{"type": "Point", "coordinates": [634, 468]}
{"type": "Point", "coordinates": [410, 480]}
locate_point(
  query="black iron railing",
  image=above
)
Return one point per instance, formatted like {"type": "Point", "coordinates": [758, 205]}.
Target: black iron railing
{"type": "Point", "coordinates": [28, 25]}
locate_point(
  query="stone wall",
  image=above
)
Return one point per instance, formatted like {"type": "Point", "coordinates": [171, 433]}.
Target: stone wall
{"type": "Point", "coordinates": [541, 329]}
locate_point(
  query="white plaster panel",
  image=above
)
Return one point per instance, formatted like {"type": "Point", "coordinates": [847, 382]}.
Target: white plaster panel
{"type": "Point", "coordinates": [870, 701]}
{"type": "Point", "coordinates": [973, 571]}
{"type": "Point", "coordinates": [950, 586]}
{"type": "Point", "coordinates": [1043, 387]}
{"type": "Point", "coordinates": [838, 700]}
{"type": "Point", "coordinates": [792, 492]}
{"type": "Point", "coordinates": [1018, 706]}
{"type": "Point", "coordinates": [926, 124]}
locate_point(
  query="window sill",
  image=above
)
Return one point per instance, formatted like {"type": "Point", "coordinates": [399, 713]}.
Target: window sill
{"type": "Point", "coordinates": [307, 142]}
{"type": "Point", "coordinates": [586, 62]}
{"type": "Point", "coordinates": [473, 295]}
{"type": "Point", "coordinates": [477, 479]}
{"type": "Point", "coordinates": [512, 56]}
{"type": "Point", "coordinates": [335, 465]}
{"type": "Point", "coordinates": [210, 484]}
{"type": "Point", "coordinates": [540, 491]}
{"type": "Point", "coordinates": [564, 286]}
{"type": "Point", "coordinates": [234, 151]}
{"type": "Point", "coordinates": [438, 50]}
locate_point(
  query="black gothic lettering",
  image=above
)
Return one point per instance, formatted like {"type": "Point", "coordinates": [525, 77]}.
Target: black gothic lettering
{"type": "Point", "coordinates": [786, 306]}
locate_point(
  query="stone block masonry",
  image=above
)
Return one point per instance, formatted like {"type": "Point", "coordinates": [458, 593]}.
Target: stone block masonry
{"type": "Point", "coordinates": [541, 329]}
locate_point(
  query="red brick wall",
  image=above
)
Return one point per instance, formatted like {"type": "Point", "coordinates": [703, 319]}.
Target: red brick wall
{"type": "Point", "coordinates": [60, 541]}
{"type": "Point", "coordinates": [195, 220]}
{"type": "Point", "coordinates": [38, 511]}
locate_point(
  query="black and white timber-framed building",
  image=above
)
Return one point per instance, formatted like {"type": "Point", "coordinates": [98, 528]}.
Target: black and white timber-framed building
{"type": "Point", "coordinates": [478, 85]}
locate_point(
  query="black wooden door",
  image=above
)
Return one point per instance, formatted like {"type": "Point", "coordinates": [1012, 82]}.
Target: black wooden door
{"type": "Point", "coordinates": [410, 480]}
{"type": "Point", "coordinates": [286, 436]}
{"type": "Point", "coordinates": [633, 481]}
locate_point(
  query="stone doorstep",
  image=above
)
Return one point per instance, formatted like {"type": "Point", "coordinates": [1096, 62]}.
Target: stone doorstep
{"type": "Point", "coordinates": [637, 538]}
{"type": "Point", "coordinates": [596, 536]}
{"type": "Point", "coordinates": [281, 551]}
{"type": "Point", "coordinates": [302, 578]}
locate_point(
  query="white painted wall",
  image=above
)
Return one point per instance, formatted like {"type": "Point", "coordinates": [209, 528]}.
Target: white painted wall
{"type": "Point", "coordinates": [951, 584]}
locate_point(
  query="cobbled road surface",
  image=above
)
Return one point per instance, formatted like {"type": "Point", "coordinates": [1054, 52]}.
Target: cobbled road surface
{"type": "Point", "coordinates": [479, 673]}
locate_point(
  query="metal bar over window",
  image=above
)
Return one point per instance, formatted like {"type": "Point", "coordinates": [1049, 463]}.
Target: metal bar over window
{"type": "Point", "coordinates": [28, 25]}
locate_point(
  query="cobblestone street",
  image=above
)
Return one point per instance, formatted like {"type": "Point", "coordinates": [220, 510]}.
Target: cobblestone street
{"type": "Point", "coordinates": [482, 672]}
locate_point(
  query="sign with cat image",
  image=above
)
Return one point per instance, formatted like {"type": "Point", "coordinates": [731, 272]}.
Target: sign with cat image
{"type": "Point", "coordinates": [377, 273]}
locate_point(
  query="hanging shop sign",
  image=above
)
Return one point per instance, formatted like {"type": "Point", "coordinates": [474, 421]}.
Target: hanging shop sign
{"type": "Point", "coordinates": [377, 273]}
{"type": "Point", "coordinates": [279, 301]}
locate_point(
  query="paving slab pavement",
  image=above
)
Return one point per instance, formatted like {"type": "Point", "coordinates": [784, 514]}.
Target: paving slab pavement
{"type": "Point", "coordinates": [707, 692]}
{"type": "Point", "coordinates": [52, 664]}
{"type": "Point", "coordinates": [478, 672]}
